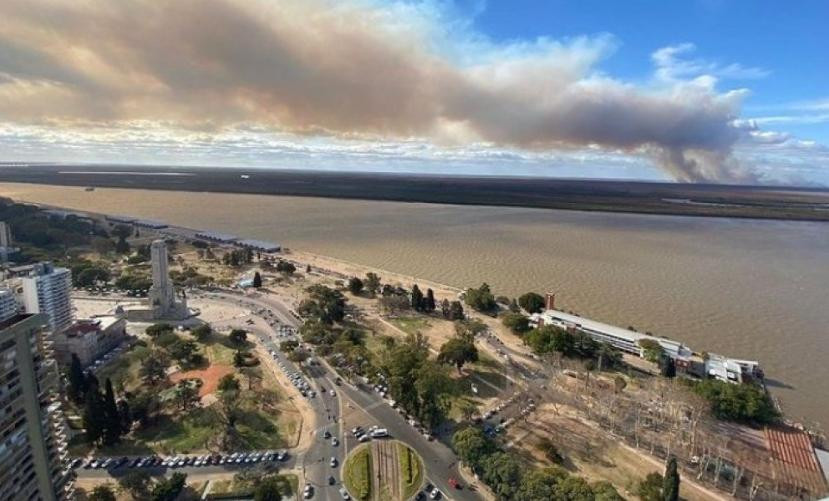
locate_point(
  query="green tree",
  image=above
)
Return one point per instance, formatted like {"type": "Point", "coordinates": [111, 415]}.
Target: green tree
{"type": "Point", "coordinates": [111, 419]}
{"type": "Point", "coordinates": [516, 322]}
{"type": "Point", "coordinates": [285, 268]}
{"type": "Point", "coordinates": [670, 484]}
{"type": "Point", "coordinates": [481, 299]}
{"type": "Point", "coordinates": [667, 367]}
{"type": "Point", "coordinates": [458, 351]}
{"type": "Point", "coordinates": [472, 445]}
{"type": "Point", "coordinates": [372, 283]}
{"type": "Point", "coordinates": [537, 485]}
{"type": "Point", "coordinates": [202, 332]}
{"type": "Point", "coordinates": [651, 350]}
{"type": "Point", "coordinates": [469, 329]}
{"type": "Point", "coordinates": [137, 483]}
{"type": "Point", "coordinates": [239, 359]}
{"type": "Point", "coordinates": [154, 367]}
{"type": "Point", "coordinates": [168, 489]}
{"type": "Point", "coordinates": [183, 350]}
{"type": "Point", "coordinates": [513, 306]}
{"type": "Point", "coordinates": [550, 450]}
{"type": "Point", "coordinates": [257, 280]}
{"type": "Point", "coordinates": [91, 276]}
{"type": "Point", "coordinates": [122, 246]}
{"type": "Point", "coordinates": [228, 382]}
{"type": "Point", "coordinates": [745, 403]}
{"type": "Point", "coordinates": [144, 407]}
{"type": "Point", "coordinates": [531, 302]}
{"type": "Point", "coordinates": [573, 488]}
{"type": "Point", "coordinates": [650, 489]}
{"type": "Point", "coordinates": [355, 286]}
{"type": "Point", "coordinates": [102, 493]}
{"type": "Point", "coordinates": [429, 303]}
{"type": "Point", "coordinates": [502, 473]}
{"type": "Point", "coordinates": [417, 298]}
{"type": "Point", "coordinates": [604, 491]}
{"type": "Point", "coordinates": [324, 304]}
{"type": "Point", "coordinates": [238, 337]}
{"type": "Point", "coordinates": [94, 417]}
{"type": "Point", "coordinates": [455, 311]}
{"type": "Point", "coordinates": [156, 330]}
{"type": "Point", "coordinates": [77, 381]}
{"type": "Point", "coordinates": [187, 395]}
{"type": "Point", "coordinates": [268, 489]}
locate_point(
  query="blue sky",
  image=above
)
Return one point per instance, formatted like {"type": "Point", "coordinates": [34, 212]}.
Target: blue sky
{"type": "Point", "coordinates": [696, 91]}
{"type": "Point", "coordinates": [790, 40]}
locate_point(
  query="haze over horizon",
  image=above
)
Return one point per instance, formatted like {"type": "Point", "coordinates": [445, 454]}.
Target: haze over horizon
{"type": "Point", "coordinates": [708, 91]}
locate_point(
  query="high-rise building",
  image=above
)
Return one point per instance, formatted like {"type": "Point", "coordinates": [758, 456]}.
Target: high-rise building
{"type": "Point", "coordinates": [8, 304]}
{"type": "Point", "coordinates": [33, 448]}
{"type": "Point", "coordinates": [46, 290]}
{"type": "Point", "coordinates": [5, 235]}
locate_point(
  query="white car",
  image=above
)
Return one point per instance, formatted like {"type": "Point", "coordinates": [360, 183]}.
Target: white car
{"type": "Point", "coordinates": [379, 433]}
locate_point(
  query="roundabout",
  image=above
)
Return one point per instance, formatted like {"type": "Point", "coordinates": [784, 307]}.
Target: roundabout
{"type": "Point", "coordinates": [383, 470]}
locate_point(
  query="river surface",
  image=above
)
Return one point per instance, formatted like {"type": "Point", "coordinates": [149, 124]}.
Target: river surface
{"type": "Point", "coordinates": [745, 288]}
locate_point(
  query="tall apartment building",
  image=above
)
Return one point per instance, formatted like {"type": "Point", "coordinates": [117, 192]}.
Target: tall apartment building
{"type": "Point", "coordinates": [8, 304]}
{"type": "Point", "coordinates": [5, 235]}
{"type": "Point", "coordinates": [33, 447]}
{"type": "Point", "coordinates": [46, 290]}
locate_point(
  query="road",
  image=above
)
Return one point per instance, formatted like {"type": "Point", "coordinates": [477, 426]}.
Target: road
{"type": "Point", "coordinates": [439, 460]}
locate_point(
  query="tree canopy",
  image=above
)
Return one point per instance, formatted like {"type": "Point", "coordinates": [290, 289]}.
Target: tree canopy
{"type": "Point", "coordinates": [531, 302]}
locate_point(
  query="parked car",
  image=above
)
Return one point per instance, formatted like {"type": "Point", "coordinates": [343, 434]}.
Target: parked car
{"type": "Point", "coordinates": [333, 462]}
{"type": "Point", "coordinates": [344, 493]}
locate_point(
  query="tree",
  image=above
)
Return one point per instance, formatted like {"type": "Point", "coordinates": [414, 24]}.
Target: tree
{"type": "Point", "coordinates": [136, 482]}
{"type": "Point", "coordinates": [111, 419]}
{"type": "Point", "coordinates": [102, 493]}
{"type": "Point", "coordinates": [325, 304]}
{"type": "Point", "coordinates": [156, 330]}
{"type": "Point", "coordinates": [125, 415]}
{"type": "Point", "coordinates": [268, 489]}
{"type": "Point", "coordinates": [531, 302]}
{"type": "Point", "coordinates": [472, 445]}
{"type": "Point", "coordinates": [513, 306]}
{"type": "Point", "coordinates": [502, 472]}
{"type": "Point", "coordinates": [469, 329]}
{"type": "Point", "coordinates": [619, 384]}
{"type": "Point", "coordinates": [168, 489]}
{"type": "Point", "coordinates": [429, 303]}
{"type": "Point", "coordinates": [308, 269]}
{"type": "Point", "coordinates": [77, 381]}
{"type": "Point", "coordinates": [144, 407]}
{"type": "Point", "coordinates": [458, 351]}
{"type": "Point", "coordinates": [187, 394]}
{"type": "Point", "coordinates": [372, 283]}
{"type": "Point", "coordinates": [257, 280]}
{"type": "Point", "coordinates": [238, 337]}
{"type": "Point", "coordinates": [573, 488]}
{"type": "Point", "coordinates": [417, 298]}
{"type": "Point", "coordinates": [455, 311]}
{"type": "Point", "coordinates": [537, 485]}
{"type": "Point", "coordinates": [91, 276]}
{"type": "Point", "coordinates": [153, 368]}
{"type": "Point", "coordinates": [745, 403]}
{"type": "Point", "coordinates": [670, 483]}
{"type": "Point", "coordinates": [550, 450]}
{"type": "Point", "coordinates": [667, 367]}
{"type": "Point", "coordinates": [285, 268]}
{"type": "Point", "coordinates": [604, 491]}
{"type": "Point", "coordinates": [650, 489]}
{"type": "Point", "coordinates": [481, 299]}
{"type": "Point", "coordinates": [355, 286]}
{"type": "Point", "coordinates": [183, 350]}
{"type": "Point", "coordinates": [202, 332]}
{"type": "Point", "coordinates": [651, 350]}
{"type": "Point", "coordinates": [239, 359]}
{"type": "Point", "coordinates": [228, 382]}
{"type": "Point", "coordinates": [122, 246]}
{"type": "Point", "coordinates": [394, 304]}
{"type": "Point", "coordinates": [444, 308]}
{"type": "Point", "coordinates": [516, 322]}
{"type": "Point", "coordinates": [94, 417]}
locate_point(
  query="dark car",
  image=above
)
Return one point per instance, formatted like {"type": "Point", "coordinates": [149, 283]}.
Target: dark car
{"type": "Point", "coordinates": [332, 481]}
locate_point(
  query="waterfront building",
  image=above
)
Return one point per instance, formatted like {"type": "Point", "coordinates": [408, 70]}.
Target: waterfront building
{"type": "Point", "coordinates": [629, 341]}
{"type": "Point", "coordinates": [259, 245]}
{"type": "Point", "coordinates": [212, 236]}
{"type": "Point", "coordinates": [33, 447]}
{"type": "Point", "coordinates": [46, 290]}
{"type": "Point", "coordinates": [89, 339]}
{"type": "Point", "coordinates": [5, 235]}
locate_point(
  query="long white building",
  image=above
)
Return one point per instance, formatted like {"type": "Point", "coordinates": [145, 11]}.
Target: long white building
{"type": "Point", "coordinates": [47, 290]}
{"type": "Point", "coordinates": [687, 361]}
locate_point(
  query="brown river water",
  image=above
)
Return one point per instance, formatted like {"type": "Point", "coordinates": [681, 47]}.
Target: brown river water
{"type": "Point", "coordinates": [745, 288]}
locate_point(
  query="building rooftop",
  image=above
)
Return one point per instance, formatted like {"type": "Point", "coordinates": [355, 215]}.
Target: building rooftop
{"type": "Point", "coordinates": [612, 330]}
{"type": "Point", "coordinates": [259, 244]}
{"type": "Point", "coordinates": [214, 235]}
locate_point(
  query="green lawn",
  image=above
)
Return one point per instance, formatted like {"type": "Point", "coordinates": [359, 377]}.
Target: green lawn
{"type": "Point", "coordinates": [243, 488]}
{"type": "Point", "coordinates": [411, 325]}
{"type": "Point", "coordinates": [411, 469]}
{"type": "Point", "coordinates": [357, 473]}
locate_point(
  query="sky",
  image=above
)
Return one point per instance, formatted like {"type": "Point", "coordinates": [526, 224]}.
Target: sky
{"type": "Point", "coordinates": [726, 91]}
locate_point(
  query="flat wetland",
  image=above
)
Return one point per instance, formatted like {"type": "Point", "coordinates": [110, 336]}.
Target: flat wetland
{"type": "Point", "coordinates": [742, 287]}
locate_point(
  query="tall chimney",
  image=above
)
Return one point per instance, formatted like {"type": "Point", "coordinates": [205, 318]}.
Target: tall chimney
{"type": "Point", "coordinates": [550, 301]}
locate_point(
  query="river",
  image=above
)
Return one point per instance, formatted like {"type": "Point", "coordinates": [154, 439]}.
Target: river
{"type": "Point", "coordinates": [746, 288]}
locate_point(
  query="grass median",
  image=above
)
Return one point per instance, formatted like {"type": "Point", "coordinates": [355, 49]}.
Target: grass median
{"type": "Point", "coordinates": [357, 473]}
{"type": "Point", "coordinates": [411, 470]}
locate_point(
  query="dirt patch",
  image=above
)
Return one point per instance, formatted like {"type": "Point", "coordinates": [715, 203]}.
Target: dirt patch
{"type": "Point", "coordinates": [210, 377]}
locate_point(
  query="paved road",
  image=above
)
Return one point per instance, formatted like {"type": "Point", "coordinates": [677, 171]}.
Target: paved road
{"type": "Point", "coordinates": [439, 460]}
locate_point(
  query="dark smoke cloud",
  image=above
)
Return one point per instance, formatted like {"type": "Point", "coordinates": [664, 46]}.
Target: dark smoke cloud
{"type": "Point", "coordinates": [349, 69]}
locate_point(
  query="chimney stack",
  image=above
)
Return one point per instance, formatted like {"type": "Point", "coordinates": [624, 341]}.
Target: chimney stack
{"type": "Point", "coordinates": [550, 301]}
